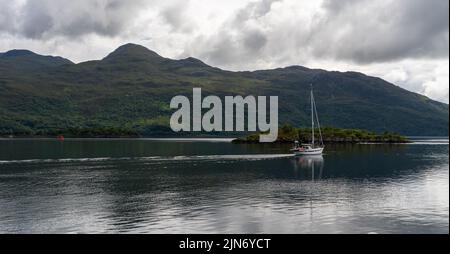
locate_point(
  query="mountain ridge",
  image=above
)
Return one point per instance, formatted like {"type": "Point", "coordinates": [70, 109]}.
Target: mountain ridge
{"type": "Point", "coordinates": [131, 89]}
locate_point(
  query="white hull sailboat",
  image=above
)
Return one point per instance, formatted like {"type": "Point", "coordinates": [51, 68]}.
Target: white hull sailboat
{"type": "Point", "coordinates": [313, 148]}
{"type": "Point", "coordinates": [307, 150]}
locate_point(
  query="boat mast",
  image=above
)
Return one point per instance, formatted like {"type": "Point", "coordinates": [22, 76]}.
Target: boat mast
{"type": "Point", "coordinates": [318, 124]}
{"type": "Point", "coordinates": [312, 116]}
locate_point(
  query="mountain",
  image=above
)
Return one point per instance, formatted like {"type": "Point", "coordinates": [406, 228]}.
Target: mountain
{"type": "Point", "coordinates": [25, 59]}
{"type": "Point", "coordinates": [129, 91]}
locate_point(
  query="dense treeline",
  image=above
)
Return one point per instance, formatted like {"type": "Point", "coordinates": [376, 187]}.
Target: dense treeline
{"type": "Point", "coordinates": [96, 132]}
{"type": "Point", "coordinates": [288, 133]}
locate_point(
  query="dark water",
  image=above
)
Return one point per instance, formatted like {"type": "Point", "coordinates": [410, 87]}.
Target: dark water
{"type": "Point", "coordinates": [160, 186]}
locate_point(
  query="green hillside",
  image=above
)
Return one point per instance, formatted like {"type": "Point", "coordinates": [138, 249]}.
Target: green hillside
{"type": "Point", "coordinates": [128, 92]}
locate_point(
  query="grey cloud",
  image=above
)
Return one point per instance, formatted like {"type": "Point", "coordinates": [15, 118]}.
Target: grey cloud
{"type": "Point", "coordinates": [36, 20]}
{"type": "Point", "coordinates": [7, 12]}
{"type": "Point", "coordinates": [254, 40]}
{"type": "Point", "coordinates": [172, 15]}
{"type": "Point", "coordinates": [253, 10]}
{"type": "Point", "coordinates": [226, 49]}
{"type": "Point", "coordinates": [222, 52]}
{"type": "Point", "coordinates": [48, 18]}
{"type": "Point", "coordinates": [359, 31]}
{"type": "Point", "coordinates": [387, 30]}
{"type": "Point", "coordinates": [237, 40]}
{"type": "Point", "coordinates": [337, 6]}
{"type": "Point", "coordinates": [175, 16]}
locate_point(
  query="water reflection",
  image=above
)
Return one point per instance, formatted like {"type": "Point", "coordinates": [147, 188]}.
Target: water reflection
{"type": "Point", "coordinates": [311, 165]}
{"type": "Point", "coordinates": [221, 187]}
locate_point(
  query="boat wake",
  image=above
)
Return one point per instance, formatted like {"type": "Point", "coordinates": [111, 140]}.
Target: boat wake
{"type": "Point", "coordinates": [238, 157]}
{"type": "Point", "coordinates": [430, 142]}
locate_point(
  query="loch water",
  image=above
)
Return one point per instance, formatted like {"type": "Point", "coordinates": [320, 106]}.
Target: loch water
{"type": "Point", "coordinates": [214, 186]}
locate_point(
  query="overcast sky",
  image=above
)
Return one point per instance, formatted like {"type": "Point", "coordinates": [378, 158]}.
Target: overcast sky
{"type": "Point", "coordinates": [403, 41]}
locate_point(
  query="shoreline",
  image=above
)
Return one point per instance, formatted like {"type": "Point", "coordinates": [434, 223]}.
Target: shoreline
{"type": "Point", "coordinates": [224, 140]}
{"type": "Point", "coordinates": [240, 141]}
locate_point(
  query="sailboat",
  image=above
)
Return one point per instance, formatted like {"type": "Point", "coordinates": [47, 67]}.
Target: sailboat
{"type": "Point", "coordinates": [313, 148]}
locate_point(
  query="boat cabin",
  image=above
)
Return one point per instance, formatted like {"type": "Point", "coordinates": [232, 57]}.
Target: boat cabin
{"type": "Point", "coordinates": [301, 147]}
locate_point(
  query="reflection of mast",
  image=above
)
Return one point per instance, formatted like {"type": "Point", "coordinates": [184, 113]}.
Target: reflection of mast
{"type": "Point", "coordinates": [321, 170]}
{"type": "Point", "coordinates": [311, 164]}
{"type": "Point", "coordinates": [311, 190]}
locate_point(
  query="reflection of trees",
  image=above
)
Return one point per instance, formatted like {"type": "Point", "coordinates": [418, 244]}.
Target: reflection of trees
{"type": "Point", "coordinates": [364, 149]}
